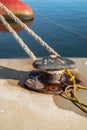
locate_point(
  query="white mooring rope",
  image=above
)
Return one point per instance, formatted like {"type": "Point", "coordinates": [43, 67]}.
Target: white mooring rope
{"type": "Point", "coordinates": [30, 32]}
{"type": "Point", "coordinates": [24, 46]}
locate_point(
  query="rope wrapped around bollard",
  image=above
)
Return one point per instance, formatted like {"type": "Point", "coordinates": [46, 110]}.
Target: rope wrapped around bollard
{"type": "Point", "coordinates": [46, 70]}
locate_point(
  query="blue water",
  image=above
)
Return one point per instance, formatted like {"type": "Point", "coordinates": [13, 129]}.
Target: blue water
{"type": "Point", "coordinates": [60, 23]}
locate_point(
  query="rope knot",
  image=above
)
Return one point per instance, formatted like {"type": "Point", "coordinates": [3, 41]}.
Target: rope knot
{"type": "Point", "coordinates": [74, 87]}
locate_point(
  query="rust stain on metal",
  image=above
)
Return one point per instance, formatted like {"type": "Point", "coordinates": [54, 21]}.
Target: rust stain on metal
{"type": "Point", "coordinates": [29, 105]}
{"type": "Point", "coordinates": [43, 82]}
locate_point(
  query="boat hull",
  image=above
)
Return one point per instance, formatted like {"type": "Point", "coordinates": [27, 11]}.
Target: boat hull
{"type": "Point", "coordinates": [20, 9]}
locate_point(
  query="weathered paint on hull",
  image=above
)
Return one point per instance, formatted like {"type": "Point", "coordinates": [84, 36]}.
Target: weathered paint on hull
{"type": "Point", "coordinates": [20, 9]}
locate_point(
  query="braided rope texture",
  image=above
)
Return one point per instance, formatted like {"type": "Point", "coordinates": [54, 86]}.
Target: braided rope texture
{"type": "Point", "coordinates": [30, 32]}
{"type": "Point", "coordinates": [19, 40]}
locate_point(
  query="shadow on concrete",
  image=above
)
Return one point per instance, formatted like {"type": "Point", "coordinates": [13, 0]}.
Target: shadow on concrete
{"type": "Point", "coordinates": [8, 73]}
{"type": "Point", "coordinates": [60, 101]}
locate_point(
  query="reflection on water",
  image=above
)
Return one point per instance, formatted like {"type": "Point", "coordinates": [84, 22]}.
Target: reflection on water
{"type": "Point", "coordinates": [69, 14]}
{"type": "Point", "coordinates": [14, 25]}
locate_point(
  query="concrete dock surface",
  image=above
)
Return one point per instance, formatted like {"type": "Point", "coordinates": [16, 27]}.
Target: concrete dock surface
{"type": "Point", "coordinates": [22, 109]}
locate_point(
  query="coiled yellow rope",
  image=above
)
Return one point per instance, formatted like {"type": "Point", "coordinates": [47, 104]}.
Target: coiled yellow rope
{"type": "Point", "coordinates": [51, 50]}
{"type": "Point", "coordinates": [73, 96]}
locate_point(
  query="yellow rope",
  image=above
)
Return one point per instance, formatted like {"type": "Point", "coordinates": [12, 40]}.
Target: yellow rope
{"type": "Point", "coordinates": [44, 44]}
{"type": "Point", "coordinates": [74, 87]}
